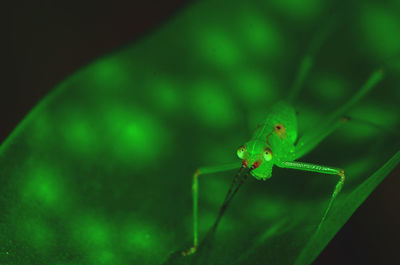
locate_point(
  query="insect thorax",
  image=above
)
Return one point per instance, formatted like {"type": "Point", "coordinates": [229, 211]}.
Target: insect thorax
{"type": "Point", "coordinates": [279, 131]}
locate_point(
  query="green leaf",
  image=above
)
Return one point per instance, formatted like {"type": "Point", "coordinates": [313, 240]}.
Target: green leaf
{"type": "Point", "coordinates": [100, 170]}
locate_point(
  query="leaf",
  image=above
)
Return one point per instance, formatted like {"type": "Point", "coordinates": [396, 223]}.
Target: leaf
{"type": "Point", "coordinates": [100, 171]}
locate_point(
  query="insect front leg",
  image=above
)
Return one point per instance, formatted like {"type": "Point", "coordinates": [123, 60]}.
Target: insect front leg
{"type": "Point", "coordinates": [319, 169]}
{"type": "Point", "coordinates": [195, 191]}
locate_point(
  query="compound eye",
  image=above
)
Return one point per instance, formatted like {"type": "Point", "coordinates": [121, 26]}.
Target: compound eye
{"type": "Point", "coordinates": [267, 154]}
{"type": "Point", "coordinates": [241, 152]}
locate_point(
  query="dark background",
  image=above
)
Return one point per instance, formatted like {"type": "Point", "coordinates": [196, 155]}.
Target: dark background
{"type": "Point", "coordinates": [45, 42]}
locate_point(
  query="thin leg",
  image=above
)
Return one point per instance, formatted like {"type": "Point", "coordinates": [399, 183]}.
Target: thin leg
{"type": "Point", "coordinates": [195, 190]}
{"type": "Point", "coordinates": [312, 138]}
{"type": "Point", "coordinates": [307, 61]}
{"type": "Point", "coordinates": [378, 127]}
{"type": "Point", "coordinates": [371, 82]}
{"type": "Point", "coordinates": [315, 136]}
{"type": "Point", "coordinates": [319, 169]}
{"type": "Point", "coordinates": [302, 72]}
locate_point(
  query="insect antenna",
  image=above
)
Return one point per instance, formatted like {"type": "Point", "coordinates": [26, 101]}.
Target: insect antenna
{"type": "Point", "coordinates": [234, 182]}
{"type": "Point", "coordinates": [230, 195]}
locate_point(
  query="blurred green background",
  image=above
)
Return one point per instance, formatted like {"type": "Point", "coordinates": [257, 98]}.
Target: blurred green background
{"type": "Point", "coordinates": [187, 91]}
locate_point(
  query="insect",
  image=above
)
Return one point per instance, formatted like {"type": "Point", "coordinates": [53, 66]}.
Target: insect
{"type": "Point", "coordinates": [275, 142]}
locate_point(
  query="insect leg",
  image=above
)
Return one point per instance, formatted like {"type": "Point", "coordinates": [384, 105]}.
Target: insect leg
{"type": "Point", "coordinates": [195, 190]}
{"type": "Point", "coordinates": [312, 138]}
{"type": "Point", "coordinates": [319, 169]}
{"type": "Point", "coordinates": [371, 82]}
{"type": "Point", "coordinates": [307, 61]}
{"type": "Point", "coordinates": [379, 127]}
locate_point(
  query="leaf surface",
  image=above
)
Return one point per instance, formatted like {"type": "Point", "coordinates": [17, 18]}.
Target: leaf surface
{"type": "Point", "coordinates": [100, 170]}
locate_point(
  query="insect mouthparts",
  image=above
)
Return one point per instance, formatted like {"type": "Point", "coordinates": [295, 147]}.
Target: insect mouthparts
{"type": "Point", "coordinates": [255, 165]}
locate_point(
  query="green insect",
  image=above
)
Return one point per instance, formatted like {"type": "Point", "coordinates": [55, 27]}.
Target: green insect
{"type": "Point", "coordinates": [275, 143]}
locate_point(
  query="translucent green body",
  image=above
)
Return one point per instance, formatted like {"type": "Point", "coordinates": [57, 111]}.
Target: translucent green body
{"type": "Point", "coordinates": [278, 132]}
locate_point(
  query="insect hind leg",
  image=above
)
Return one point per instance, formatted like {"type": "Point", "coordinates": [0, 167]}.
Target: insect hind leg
{"type": "Point", "coordinates": [336, 191]}
{"type": "Point", "coordinates": [308, 60]}
{"type": "Point", "coordinates": [323, 170]}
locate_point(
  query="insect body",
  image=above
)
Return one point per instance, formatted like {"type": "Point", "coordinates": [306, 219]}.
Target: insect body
{"type": "Point", "coordinates": [275, 143]}
{"type": "Point", "coordinates": [272, 143]}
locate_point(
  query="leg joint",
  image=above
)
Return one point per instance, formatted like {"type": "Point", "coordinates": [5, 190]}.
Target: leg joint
{"type": "Point", "coordinates": [196, 173]}
{"type": "Point", "coordinates": [195, 177]}
{"type": "Point", "coordinates": [342, 175]}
